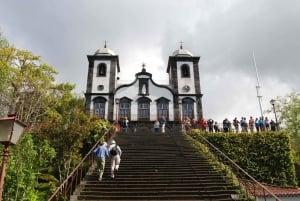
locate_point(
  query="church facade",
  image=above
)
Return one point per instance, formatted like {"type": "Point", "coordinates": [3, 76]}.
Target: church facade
{"type": "Point", "coordinates": [143, 100]}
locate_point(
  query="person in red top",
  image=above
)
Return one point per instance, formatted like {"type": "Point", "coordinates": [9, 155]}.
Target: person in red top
{"type": "Point", "coordinates": [203, 124]}
{"type": "Point", "coordinates": [251, 124]}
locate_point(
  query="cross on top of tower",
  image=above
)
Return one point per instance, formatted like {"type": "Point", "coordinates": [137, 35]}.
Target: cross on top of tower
{"type": "Point", "coordinates": [143, 65]}
{"type": "Point", "coordinates": [105, 43]}
{"type": "Point", "coordinates": [181, 42]}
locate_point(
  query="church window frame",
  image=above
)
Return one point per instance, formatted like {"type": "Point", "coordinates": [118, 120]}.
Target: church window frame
{"type": "Point", "coordinates": [125, 108]}
{"type": "Point", "coordinates": [100, 107]}
{"type": "Point", "coordinates": [144, 109]}
{"type": "Point", "coordinates": [185, 70]}
{"type": "Point", "coordinates": [188, 108]}
{"type": "Point", "coordinates": [162, 108]}
{"type": "Point", "coordinates": [101, 70]}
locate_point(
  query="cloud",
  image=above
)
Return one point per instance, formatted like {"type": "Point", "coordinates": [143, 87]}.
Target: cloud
{"type": "Point", "coordinates": [223, 33]}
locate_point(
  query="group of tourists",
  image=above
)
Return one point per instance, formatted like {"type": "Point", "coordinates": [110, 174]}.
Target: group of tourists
{"type": "Point", "coordinates": [209, 125]}
{"type": "Point", "coordinates": [252, 125]}
{"type": "Point", "coordinates": [105, 151]}
{"type": "Point", "coordinates": [159, 125]}
{"type": "Point", "coordinates": [237, 125]}
{"type": "Point", "coordinates": [189, 123]}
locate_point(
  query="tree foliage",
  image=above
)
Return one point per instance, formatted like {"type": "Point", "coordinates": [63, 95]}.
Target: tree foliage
{"type": "Point", "coordinates": [4, 74]}
{"type": "Point", "coordinates": [68, 129]}
{"type": "Point", "coordinates": [288, 108]}
{"type": "Point", "coordinates": [65, 126]}
{"type": "Point", "coordinates": [27, 83]}
{"type": "Point", "coordinates": [28, 161]}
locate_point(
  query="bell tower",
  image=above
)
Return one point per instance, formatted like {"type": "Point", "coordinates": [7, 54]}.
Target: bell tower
{"type": "Point", "coordinates": [101, 82]}
{"type": "Point", "coordinates": [184, 78]}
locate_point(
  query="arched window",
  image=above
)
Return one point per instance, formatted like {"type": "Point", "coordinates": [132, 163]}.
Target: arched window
{"type": "Point", "coordinates": [188, 107]}
{"type": "Point", "coordinates": [144, 109]}
{"type": "Point", "coordinates": [185, 70]}
{"type": "Point", "coordinates": [101, 70]}
{"type": "Point", "coordinates": [162, 108]}
{"type": "Point", "coordinates": [125, 107]}
{"type": "Point", "coordinates": [99, 107]}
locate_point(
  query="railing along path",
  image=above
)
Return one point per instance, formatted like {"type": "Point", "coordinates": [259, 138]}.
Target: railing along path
{"type": "Point", "coordinates": [252, 186]}
{"type": "Point", "coordinates": [67, 187]}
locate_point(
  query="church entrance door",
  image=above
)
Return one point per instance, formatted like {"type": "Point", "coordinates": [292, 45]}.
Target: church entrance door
{"type": "Point", "coordinates": [144, 111]}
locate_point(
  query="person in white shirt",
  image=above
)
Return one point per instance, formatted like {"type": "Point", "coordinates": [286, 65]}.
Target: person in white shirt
{"type": "Point", "coordinates": [115, 153]}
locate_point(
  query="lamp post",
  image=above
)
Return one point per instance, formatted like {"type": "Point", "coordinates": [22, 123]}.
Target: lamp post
{"type": "Point", "coordinates": [180, 109]}
{"type": "Point", "coordinates": [272, 101]}
{"type": "Point", "coordinates": [10, 131]}
{"type": "Point", "coordinates": [180, 113]}
{"type": "Point", "coordinates": [117, 101]}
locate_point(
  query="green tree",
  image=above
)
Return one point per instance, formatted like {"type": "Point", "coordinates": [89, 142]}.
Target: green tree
{"type": "Point", "coordinates": [288, 108]}
{"type": "Point", "coordinates": [65, 126]}
{"type": "Point", "coordinates": [27, 83]}
{"type": "Point", "coordinates": [3, 41]}
{"type": "Point", "coordinates": [28, 162]}
{"type": "Point", "coordinates": [4, 75]}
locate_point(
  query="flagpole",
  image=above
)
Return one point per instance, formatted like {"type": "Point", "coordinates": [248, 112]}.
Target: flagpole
{"type": "Point", "coordinates": [259, 96]}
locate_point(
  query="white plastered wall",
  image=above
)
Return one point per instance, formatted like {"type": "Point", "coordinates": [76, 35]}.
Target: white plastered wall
{"type": "Point", "coordinates": [101, 80]}
{"type": "Point", "coordinates": [186, 81]}
{"type": "Point", "coordinates": [155, 92]}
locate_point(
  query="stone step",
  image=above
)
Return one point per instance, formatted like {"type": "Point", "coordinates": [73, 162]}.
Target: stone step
{"type": "Point", "coordinates": [141, 185]}
{"type": "Point", "coordinates": [220, 197]}
{"type": "Point", "coordinates": [160, 192]}
{"type": "Point", "coordinates": [157, 167]}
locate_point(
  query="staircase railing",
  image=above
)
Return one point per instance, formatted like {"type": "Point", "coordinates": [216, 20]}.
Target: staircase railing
{"type": "Point", "coordinates": [252, 187]}
{"type": "Point", "coordinates": [68, 186]}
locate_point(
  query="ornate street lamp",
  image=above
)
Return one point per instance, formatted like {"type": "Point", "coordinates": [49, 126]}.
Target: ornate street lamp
{"type": "Point", "coordinates": [272, 101]}
{"type": "Point", "coordinates": [11, 130]}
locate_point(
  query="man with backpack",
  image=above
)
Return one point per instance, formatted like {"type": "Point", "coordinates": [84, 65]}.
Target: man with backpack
{"type": "Point", "coordinates": [101, 153]}
{"type": "Point", "coordinates": [115, 153]}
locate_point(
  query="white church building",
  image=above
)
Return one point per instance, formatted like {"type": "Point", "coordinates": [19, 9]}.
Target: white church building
{"type": "Point", "coordinates": [143, 100]}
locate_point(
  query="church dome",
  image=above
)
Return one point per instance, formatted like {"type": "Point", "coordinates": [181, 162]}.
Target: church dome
{"type": "Point", "coordinates": [104, 51]}
{"type": "Point", "coordinates": [182, 52]}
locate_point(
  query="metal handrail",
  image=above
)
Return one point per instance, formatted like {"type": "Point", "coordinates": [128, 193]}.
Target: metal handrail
{"type": "Point", "coordinates": [250, 184]}
{"type": "Point", "coordinates": [68, 186]}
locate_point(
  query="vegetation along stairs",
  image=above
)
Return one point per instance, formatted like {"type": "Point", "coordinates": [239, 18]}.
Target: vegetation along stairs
{"type": "Point", "coordinates": [157, 167]}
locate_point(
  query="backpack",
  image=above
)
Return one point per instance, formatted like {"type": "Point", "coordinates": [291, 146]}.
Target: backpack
{"type": "Point", "coordinates": [113, 151]}
{"type": "Point", "coordinates": [124, 124]}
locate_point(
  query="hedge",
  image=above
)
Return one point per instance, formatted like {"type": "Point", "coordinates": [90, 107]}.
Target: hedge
{"type": "Point", "coordinates": [266, 156]}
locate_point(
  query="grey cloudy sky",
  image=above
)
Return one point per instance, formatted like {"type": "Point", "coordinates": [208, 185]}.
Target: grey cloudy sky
{"type": "Point", "coordinates": [224, 33]}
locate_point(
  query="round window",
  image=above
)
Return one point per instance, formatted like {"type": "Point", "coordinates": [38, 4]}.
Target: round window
{"type": "Point", "coordinates": [100, 87]}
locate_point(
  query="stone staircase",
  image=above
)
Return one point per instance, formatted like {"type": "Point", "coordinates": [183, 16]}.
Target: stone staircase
{"type": "Point", "coordinates": [157, 167]}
